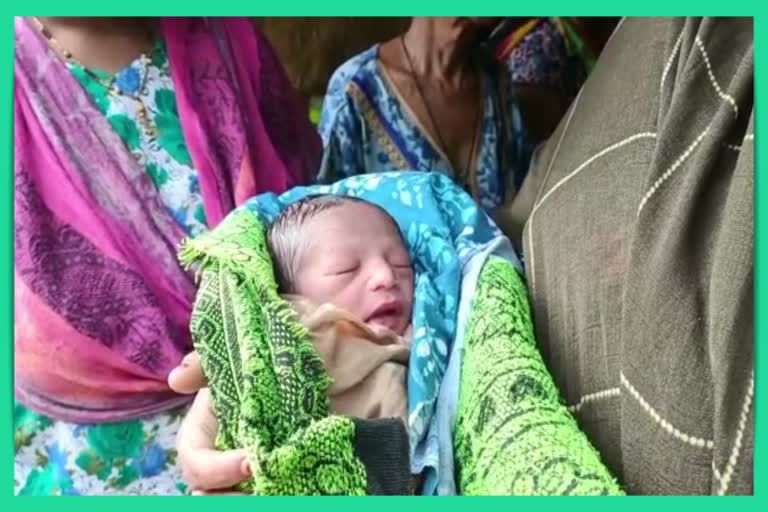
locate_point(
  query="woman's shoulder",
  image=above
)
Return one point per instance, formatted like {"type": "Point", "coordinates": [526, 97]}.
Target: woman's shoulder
{"type": "Point", "coordinates": [358, 68]}
{"type": "Point", "coordinates": [361, 68]}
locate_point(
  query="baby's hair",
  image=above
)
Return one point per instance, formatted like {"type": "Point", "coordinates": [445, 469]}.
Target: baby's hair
{"type": "Point", "coordinates": [286, 239]}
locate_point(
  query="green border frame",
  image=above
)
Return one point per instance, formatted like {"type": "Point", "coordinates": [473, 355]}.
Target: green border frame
{"type": "Point", "coordinates": [388, 8]}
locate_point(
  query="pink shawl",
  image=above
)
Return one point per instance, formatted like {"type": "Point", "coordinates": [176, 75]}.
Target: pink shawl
{"type": "Point", "coordinates": [101, 304]}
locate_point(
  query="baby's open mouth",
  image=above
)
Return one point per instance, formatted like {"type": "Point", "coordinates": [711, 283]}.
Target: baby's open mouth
{"type": "Point", "coordinates": [386, 315]}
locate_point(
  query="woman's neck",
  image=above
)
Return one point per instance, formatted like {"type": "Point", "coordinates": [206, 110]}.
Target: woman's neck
{"type": "Point", "coordinates": [108, 44]}
{"type": "Point", "coordinates": [440, 49]}
{"type": "Point", "coordinates": [95, 24]}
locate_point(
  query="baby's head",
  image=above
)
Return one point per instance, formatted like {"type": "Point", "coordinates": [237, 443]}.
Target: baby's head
{"type": "Point", "coordinates": [346, 252]}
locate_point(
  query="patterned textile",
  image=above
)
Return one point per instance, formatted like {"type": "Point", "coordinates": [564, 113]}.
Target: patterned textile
{"type": "Point", "coordinates": [637, 222]}
{"type": "Point", "coordinates": [137, 456]}
{"type": "Point", "coordinates": [97, 281]}
{"type": "Point", "coordinates": [134, 457]}
{"type": "Point", "coordinates": [440, 224]}
{"type": "Point", "coordinates": [267, 380]}
{"type": "Point", "coordinates": [444, 483]}
{"type": "Point", "coordinates": [544, 56]}
{"type": "Point", "coordinates": [164, 156]}
{"type": "Point", "coordinates": [366, 127]}
{"type": "Point", "coordinates": [513, 435]}
{"type": "Point", "coordinates": [270, 387]}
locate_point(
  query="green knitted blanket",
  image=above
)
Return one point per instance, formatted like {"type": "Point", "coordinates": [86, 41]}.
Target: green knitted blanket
{"type": "Point", "coordinates": [268, 383]}
{"type": "Point", "coordinates": [270, 389]}
{"type": "Point", "coordinates": [513, 435]}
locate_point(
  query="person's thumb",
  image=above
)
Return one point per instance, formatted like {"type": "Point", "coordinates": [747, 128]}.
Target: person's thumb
{"type": "Point", "coordinates": [188, 377]}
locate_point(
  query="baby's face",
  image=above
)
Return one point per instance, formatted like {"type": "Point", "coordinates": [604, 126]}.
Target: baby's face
{"type": "Point", "coordinates": [356, 260]}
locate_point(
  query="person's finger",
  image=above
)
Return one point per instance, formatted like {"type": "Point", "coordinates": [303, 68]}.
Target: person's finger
{"type": "Point", "coordinates": [211, 470]}
{"type": "Point", "coordinates": [188, 377]}
{"type": "Point", "coordinates": [203, 467]}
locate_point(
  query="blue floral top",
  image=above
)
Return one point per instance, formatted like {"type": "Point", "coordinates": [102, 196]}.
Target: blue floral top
{"type": "Point", "coordinates": [367, 127]}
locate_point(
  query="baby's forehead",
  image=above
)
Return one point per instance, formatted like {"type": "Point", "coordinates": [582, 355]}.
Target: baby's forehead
{"type": "Point", "coordinates": [349, 226]}
{"type": "Point", "coordinates": [354, 214]}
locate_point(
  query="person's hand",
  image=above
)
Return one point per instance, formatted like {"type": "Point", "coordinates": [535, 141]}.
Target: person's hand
{"type": "Point", "coordinates": [206, 470]}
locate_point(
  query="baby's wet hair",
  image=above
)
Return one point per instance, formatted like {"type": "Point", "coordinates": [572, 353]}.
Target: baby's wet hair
{"type": "Point", "coordinates": [286, 238]}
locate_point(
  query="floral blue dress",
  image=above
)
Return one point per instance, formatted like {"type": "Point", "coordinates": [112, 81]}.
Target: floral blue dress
{"type": "Point", "coordinates": [367, 127]}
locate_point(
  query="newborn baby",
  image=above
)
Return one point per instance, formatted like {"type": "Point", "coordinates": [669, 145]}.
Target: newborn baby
{"type": "Point", "coordinates": [343, 265]}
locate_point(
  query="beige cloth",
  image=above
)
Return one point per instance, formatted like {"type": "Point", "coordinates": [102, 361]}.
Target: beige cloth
{"type": "Point", "coordinates": [368, 365]}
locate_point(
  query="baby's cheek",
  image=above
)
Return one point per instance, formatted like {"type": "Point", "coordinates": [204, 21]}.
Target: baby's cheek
{"type": "Point", "coordinates": [353, 303]}
{"type": "Point", "coordinates": [345, 296]}
{"type": "Point", "coordinates": [407, 281]}
{"type": "Point", "coordinates": [320, 290]}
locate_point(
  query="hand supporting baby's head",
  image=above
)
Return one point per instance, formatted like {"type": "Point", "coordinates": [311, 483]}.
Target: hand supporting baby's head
{"type": "Point", "coordinates": [347, 252]}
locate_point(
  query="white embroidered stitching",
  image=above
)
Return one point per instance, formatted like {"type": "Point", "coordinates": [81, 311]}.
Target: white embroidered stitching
{"type": "Point", "coordinates": [612, 147]}
{"type": "Point", "coordinates": [736, 451]}
{"type": "Point", "coordinates": [672, 168]}
{"type": "Point", "coordinates": [615, 30]}
{"type": "Point", "coordinates": [593, 397]}
{"type": "Point", "coordinates": [671, 58]}
{"type": "Point", "coordinates": [546, 176]}
{"type": "Point", "coordinates": [667, 426]}
{"type": "Point", "coordinates": [716, 474]}
{"type": "Point", "coordinates": [710, 73]}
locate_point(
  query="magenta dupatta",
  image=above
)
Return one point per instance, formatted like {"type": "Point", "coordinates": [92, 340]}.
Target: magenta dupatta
{"type": "Point", "coordinates": [101, 304]}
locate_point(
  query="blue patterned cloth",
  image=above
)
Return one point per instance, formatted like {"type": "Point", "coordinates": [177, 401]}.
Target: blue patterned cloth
{"type": "Point", "coordinates": [442, 481]}
{"type": "Point", "coordinates": [366, 128]}
{"type": "Point", "coordinates": [443, 227]}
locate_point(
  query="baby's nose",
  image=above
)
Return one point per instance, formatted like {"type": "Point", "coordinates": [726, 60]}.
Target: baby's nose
{"type": "Point", "coordinates": [383, 276]}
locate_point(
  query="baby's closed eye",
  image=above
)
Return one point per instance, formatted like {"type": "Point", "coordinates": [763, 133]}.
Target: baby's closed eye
{"type": "Point", "coordinates": [400, 260]}
{"type": "Point", "coordinates": [342, 269]}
